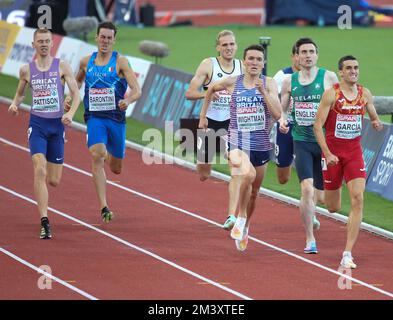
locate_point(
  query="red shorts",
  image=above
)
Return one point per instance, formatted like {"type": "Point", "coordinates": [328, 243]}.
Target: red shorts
{"type": "Point", "coordinates": [350, 165]}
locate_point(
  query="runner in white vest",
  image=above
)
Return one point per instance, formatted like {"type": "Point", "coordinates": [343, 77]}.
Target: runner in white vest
{"type": "Point", "coordinates": [209, 71]}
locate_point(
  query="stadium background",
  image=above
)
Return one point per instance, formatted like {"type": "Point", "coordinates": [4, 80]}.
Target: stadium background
{"type": "Point", "coordinates": [190, 44]}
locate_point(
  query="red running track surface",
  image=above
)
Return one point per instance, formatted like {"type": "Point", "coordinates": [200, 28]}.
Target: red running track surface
{"type": "Point", "coordinates": [195, 258]}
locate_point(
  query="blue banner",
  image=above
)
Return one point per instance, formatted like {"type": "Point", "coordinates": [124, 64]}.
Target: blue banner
{"type": "Point", "coordinates": [381, 178]}
{"type": "Point", "coordinates": [163, 97]}
{"type": "Point", "coordinates": [372, 141]}
{"type": "Point", "coordinates": [14, 11]}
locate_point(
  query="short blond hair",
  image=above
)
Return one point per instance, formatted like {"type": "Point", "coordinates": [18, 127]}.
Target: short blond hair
{"type": "Point", "coordinates": [41, 30]}
{"type": "Point", "coordinates": [223, 33]}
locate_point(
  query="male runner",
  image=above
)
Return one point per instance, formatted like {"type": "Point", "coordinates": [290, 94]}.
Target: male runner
{"type": "Point", "coordinates": [341, 113]}
{"type": "Point", "coordinates": [106, 75]}
{"type": "Point", "coordinates": [306, 88]}
{"type": "Point", "coordinates": [208, 72]}
{"type": "Point", "coordinates": [254, 102]}
{"type": "Point", "coordinates": [46, 76]}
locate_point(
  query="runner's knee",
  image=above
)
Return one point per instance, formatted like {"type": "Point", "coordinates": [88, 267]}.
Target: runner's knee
{"type": "Point", "coordinates": [307, 190]}
{"type": "Point", "coordinates": [54, 182]}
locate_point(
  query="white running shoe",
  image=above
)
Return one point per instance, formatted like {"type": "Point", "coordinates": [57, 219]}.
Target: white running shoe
{"type": "Point", "coordinates": [347, 262]}
{"type": "Point", "coordinates": [238, 228]}
{"type": "Point", "coordinates": [241, 245]}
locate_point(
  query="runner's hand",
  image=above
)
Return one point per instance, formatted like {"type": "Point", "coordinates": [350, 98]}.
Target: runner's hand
{"type": "Point", "coordinates": [377, 125]}
{"type": "Point", "coordinates": [123, 104]}
{"type": "Point", "coordinates": [67, 103]}
{"type": "Point", "coordinates": [215, 96]}
{"type": "Point", "coordinates": [284, 128]}
{"type": "Point", "coordinates": [13, 109]}
{"type": "Point", "coordinates": [66, 119]}
{"type": "Point", "coordinates": [331, 159]}
{"type": "Point", "coordinates": [203, 122]}
{"type": "Point", "coordinates": [260, 86]}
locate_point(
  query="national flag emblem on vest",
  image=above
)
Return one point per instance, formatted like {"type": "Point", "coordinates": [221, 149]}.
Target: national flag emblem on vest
{"type": "Point", "coordinates": [110, 69]}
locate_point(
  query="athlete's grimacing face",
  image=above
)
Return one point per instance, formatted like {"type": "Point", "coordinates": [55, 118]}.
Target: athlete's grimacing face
{"type": "Point", "coordinates": [105, 40]}
{"type": "Point", "coordinates": [308, 55]}
{"type": "Point", "coordinates": [350, 71]}
{"type": "Point", "coordinates": [43, 43]}
{"type": "Point", "coordinates": [227, 47]}
{"type": "Point", "coordinates": [254, 62]}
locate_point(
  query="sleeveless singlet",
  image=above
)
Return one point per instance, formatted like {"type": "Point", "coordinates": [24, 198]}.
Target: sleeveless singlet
{"type": "Point", "coordinates": [249, 118]}
{"type": "Point", "coordinates": [219, 109]}
{"type": "Point", "coordinates": [306, 99]}
{"type": "Point", "coordinates": [47, 91]}
{"type": "Point", "coordinates": [103, 90]}
{"type": "Point", "coordinates": [344, 121]}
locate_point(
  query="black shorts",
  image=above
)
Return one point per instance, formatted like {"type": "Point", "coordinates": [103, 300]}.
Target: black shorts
{"type": "Point", "coordinates": [211, 141]}
{"type": "Point", "coordinates": [308, 157]}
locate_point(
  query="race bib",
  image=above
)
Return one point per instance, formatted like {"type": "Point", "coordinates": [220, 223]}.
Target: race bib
{"type": "Point", "coordinates": [305, 113]}
{"type": "Point", "coordinates": [222, 103]}
{"type": "Point", "coordinates": [251, 119]}
{"type": "Point", "coordinates": [102, 99]}
{"type": "Point", "coordinates": [45, 101]}
{"type": "Point", "coordinates": [348, 126]}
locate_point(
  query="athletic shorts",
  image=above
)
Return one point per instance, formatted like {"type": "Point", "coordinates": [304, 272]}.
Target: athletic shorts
{"type": "Point", "coordinates": [257, 158]}
{"type": "Point", "coordinates": [283, 151]}
{"type": "Point", "coordinates": [46, 136]}
{"type": "Point", "coordinates": [350, 166]}
{"type": "Point", "coordinates": [209, 140]}
{"type": "Point", "coordinates": [308, 162]}
{"type": "Point", "coordinates": [109, 132]}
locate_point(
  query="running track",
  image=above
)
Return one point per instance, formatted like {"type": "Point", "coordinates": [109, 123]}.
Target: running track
{"type": "Point", "coordinates": [165, 241]}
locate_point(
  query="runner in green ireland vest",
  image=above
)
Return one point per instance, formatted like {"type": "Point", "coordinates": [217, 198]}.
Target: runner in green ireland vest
{"type": "Point", "coordinates": [306, 88]}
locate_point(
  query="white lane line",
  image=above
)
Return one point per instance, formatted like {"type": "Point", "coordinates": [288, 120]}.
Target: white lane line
{"type": "Point", "coordinates": [128, 244]}
{"type": "Point", "coordinates": [219, 225]}
{"type": "Point", "coordinates": [48, 275]}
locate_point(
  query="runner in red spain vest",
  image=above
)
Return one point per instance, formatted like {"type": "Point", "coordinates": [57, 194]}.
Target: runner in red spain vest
{"type": "Point", "coordinates": [341, 111]}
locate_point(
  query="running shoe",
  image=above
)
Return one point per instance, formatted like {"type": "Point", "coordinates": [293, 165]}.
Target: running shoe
{"type": "Point", "coordinates": [45, 232]}
{"type": "Point", "coordinates": [347, 262]}
{"type": "Point", "coordinates": [311, 247]}
{"type": "Point", "coordinates": [316, 224]}
{"type": "Point", "coordinates": [106, 214]}
{"type": "Point", "coordinates": [229, 223]}
{"type": "Point", "coordinates": [241, 245]}
{"type": "Point", "coordinates": [238, 229]}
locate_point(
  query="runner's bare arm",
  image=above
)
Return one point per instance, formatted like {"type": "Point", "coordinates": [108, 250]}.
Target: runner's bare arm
{"type": "Point", "coordinates": [74, 91]}
{"type": "Point", "coordinates": [226, 83]}
{"type": "Point", "coordinates": [330, 79]}
{"type": "Point", "coordinates": [202, 74]}
{"type": "Point", "coordinates": [24, 78]}
{"type": "Point", "coordinates": [126, 71]}
{"type": "Point", "coordinates": [323, 111]}
{"type": "Point", "coordinates": [81, 75]}
{"type": "Point", "coordinates": [372, 113]}
{"type": "Point", "coordinates": [270, 95]}
{"type": "Point", "coordinates": [285, 102]}
{"type": "Point", "coordinates": [80, 78]}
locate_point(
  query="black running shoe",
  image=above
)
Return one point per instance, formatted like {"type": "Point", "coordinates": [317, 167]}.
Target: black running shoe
{"type": "Point", "coordinates": [45, 229]}
{"type": "Point", "coordinates": [106, 214]}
